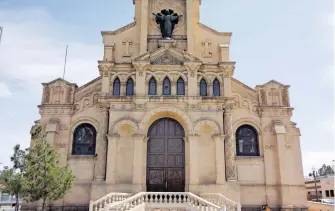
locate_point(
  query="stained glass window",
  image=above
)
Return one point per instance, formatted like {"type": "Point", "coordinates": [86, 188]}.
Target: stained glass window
{"type": "Point", "coordinates": [166, 87]}
{"type": "Point", "coordinates": [116, 87]}
{"type": "Point", "coordinates": [247, 141]}
{"type": "Point", "coordinates": [216, 88]}
{"type": "Point", "coordinates": [152, 87]}
{"type": "Point", "coordinates": [84, 140]}
{"type": "Point", "coordinates": [130, 87]}
{"type": "Point", "coordinates": [180, 87]}
{"type": "Point", "coordinates": [203, 88]}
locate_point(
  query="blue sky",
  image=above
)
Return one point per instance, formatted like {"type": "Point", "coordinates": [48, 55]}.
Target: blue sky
{"type": "Point", "coordinates": [290, 41]}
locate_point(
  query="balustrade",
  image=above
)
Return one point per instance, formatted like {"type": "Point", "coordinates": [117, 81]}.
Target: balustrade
{"type": "Point", "coordinates": [222, 201]}
{"type": "Point", "coordinates": [163, 198]}
{"type": "Point", "coordinates": [101, 203]}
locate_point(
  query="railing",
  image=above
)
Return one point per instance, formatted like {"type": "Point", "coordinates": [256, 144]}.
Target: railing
{"type": "Point", "coordinates": [165, 199]}
{"type": "Point", "coordinates": [101, 203]}
{"type": "Point", "coordinates": [222, 201]}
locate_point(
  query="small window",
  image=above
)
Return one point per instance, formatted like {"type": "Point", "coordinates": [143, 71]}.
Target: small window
{"type": "Point", "coordinates": [327, 193]}
{"type": "Point", "coordinates": [116, 87]}
{"type": "Point", "coordinates": [203, 88]}
{"type": "Point", "coordinates": [216, 87]}
{"type": "Point", "coordinates": [152, 87]}
{"type": "Point", "coordinates": [331, 193]}
{"type": "Point", "coordinates": [247, 141]}
{"type": "Point", "coordinates": [130, 87]}
{"type": "Point", "coordinates": [309, 193]}
{"type": "Point", "coordinates": [166, 86]}
{"type": "Point", "coordinates": [84, 140]}
{"type": "Point", "coordinates": [180, 87]}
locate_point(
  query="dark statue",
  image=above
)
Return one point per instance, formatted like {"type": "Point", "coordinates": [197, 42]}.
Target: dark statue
{"type": "Point", "coordinates": [167, 19]}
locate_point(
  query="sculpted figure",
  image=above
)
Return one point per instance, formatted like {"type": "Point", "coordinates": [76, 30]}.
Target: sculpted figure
{"type": "Point", "coordinates": [167, 20]}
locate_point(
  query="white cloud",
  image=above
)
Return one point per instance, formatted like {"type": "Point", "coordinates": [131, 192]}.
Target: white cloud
{"type": "Point", "coordinates": [32, 51]}
{"type": "Point", "coordinates": [4, 90]}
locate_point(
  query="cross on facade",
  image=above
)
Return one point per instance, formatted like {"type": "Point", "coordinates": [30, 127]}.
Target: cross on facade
{"type": "Point", "coordinates": [207, 46]}
{"type": "Point", "coordinates": [57, 94]}
{"type": "Point", "coordinates": [274, 94]}
{"type": "Point", "coordinates": [127, 45]}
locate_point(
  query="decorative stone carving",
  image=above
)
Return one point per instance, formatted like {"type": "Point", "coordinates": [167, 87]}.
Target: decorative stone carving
{"type": "Point", "coordinates": [263, 98]}
{"type": "Point", "coordinates": [229, 145]}
{"type": "Point", "coordinates": [127, 45]}
{"type": "Point", "coordinates": [167, 59]}
{"type": "Point", "coordinates": [46, 98]}
{"type": "Point", "coordinates": [274, 96]}
{"type": "Point", "coordinates": [105, 67]}
{"type": "Point", "coordinates": [202, 123]}
{"type": "Point", "coordinates": [125, 122]}
{"type": "Point", "coordinates": [57, 94]}
{"type": "Point", "coordinates": [166, 110]}
{"type": "Point", "coordinates": [285, 97]}
{"type": "Point", "coordinates": [100, 167]}
{"type": "Point", "coordinates": [206, 52]}
{"type": "Point", "coordinates": [227, 68]}
{"type": "Point", "coordinates": [95, 98]}
{"type": "Point", "coordinates": [69, 95]}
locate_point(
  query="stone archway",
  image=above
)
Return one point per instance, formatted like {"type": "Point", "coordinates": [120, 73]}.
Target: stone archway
{"type": "Point", "coordinates": [166, 156]}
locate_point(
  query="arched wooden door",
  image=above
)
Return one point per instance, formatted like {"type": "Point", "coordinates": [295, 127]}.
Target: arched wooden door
{"type": "Point", "coordinates": [166, 157]}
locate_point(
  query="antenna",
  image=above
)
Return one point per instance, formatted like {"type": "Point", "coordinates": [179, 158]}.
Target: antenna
{"type": "Point", "coordinates": [65, 62]}
{"type": "Point", "coordinates": [1, 29]}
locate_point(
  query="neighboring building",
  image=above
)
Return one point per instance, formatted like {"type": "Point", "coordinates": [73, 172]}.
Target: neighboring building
{"type": "Point", "coordinates": [324, 186]}
{"type": "Point", "coordinates": [6, 199]}
{"type": "Point", "coordinates": [167, 115]}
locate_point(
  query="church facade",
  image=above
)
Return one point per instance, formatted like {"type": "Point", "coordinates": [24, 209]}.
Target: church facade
{"type": "Point", "coordinates": [167, 115]}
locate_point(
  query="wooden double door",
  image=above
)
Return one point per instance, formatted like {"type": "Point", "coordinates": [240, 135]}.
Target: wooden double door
{"type": "Point", "coordinates": [166, 157]}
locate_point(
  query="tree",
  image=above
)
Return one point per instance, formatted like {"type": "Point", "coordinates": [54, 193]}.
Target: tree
{"type": "Point", "coordinates": [45, 178]}
{"type": "Point", "coordinates": [12, 178]}
{"type": "Point", "coordinates": [325, 170]}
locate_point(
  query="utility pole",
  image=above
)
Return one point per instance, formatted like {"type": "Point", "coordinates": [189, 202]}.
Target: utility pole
{"type": "Point", "coordinates": [315, 174]}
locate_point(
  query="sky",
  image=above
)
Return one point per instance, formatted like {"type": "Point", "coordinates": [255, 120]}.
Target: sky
{"type": "Point", "coordinates": [291, 41]}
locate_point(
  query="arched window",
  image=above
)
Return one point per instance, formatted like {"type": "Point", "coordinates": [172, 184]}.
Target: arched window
{"type": "Point", "coordinates": [203, 88]}
{"type": "Point", "coordinates": [84, 139]}
{"type": "Point", "coordinates": [130, 87]}
{"type": "Point", "coordinates": [180, 87]}
{"type": "Point", "coordinates": [116, 87]}
{"type": "Point", "coordinates": [216, 87]}
{"type": "Point", "coordinates": [152, 87]}
{"type": "Point", "coordinates": [247, 141]}
{"type": "Point", "coordinates": [166, 86]}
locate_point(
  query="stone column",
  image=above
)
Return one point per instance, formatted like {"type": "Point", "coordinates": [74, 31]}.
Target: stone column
{"type": "Point", "coordinates": [228, 69]}
{"type": "Point", "coordinates": [229, 145]}
{"type": "Point", "coordinates": [105, 69]}
{"type": "Point", "coordinates": [139, 165]}
{"type": "Point", "coordinates": [194, 157]}
{"type": "Point", "coordinates": [111, 164]}
{"type": "Point", "coordinates": [144, 26]}
{"type": "Point", "coordinates": [101, 145]}
{"type": "Point", "coordinates": [219, 158]}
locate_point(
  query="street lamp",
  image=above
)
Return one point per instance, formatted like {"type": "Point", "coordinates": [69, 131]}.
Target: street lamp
{"type": "Point", "coordinates": [315, 174]}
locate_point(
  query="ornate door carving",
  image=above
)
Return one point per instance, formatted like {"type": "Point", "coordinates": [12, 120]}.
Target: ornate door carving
{"type": "Point", "coordinates": [166, 157]}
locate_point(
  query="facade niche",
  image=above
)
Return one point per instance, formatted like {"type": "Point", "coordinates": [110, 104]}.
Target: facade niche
{"type": "Point", "coordinates": [247, 143]}
{"type": "Point", "coordinates": [84, 140]}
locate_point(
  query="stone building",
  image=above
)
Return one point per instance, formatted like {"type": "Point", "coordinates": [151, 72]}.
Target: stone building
{"type": "Point", "coordinates": [166, 115]}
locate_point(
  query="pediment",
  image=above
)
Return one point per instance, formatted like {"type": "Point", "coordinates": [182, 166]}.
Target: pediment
{"type": "Point", "coordinates": [59, 81]}
{"type": "Point", "coordinates": [167, 56]}
{"type": "Point", "coordinates": [273, 84]}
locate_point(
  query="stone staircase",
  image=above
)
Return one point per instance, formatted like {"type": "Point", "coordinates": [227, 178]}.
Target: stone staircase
{"type": "Point", "coordinates": [164, 201]}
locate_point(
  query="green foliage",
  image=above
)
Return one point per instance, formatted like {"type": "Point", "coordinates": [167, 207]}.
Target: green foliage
{"type": "Point", "coordinates": [44, 178]}
{"type": "Point", "coordinates": [12, 178]}
{"type": "Point", "coordinates": [325, 170]}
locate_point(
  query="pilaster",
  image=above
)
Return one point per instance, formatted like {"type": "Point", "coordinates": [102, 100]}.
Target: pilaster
{"type": "Point", "coordinates": [228, 69]}
{"type": "Point", "coordinates": [229, 145]}
{"type": "Point", "coordinates": [141, 84]}
{"type": "Point", "coordinates": [52, 130]}
{"type": "Point", "coordinates": [192, 71]}
{"type": "Point", "coordinates": [101, 152]}
{"type": "Point", "coordinates": [219, 158]}
{"type": "Point", "coordinates": [139, 153]}
{"type": "Point", "coordinates": [144, 26]}
{"type": "Point", "coordinates": [194, 159]}
{"type": "Point", "coordinates": [105, 69]}
{"type": "Point", "coordinates": [190, 15]}
{"type": "Point", "coordinates": [111, 159]}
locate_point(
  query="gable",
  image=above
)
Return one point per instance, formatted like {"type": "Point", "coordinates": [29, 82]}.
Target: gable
{"type": "Point", "coordinates": [166, 59]}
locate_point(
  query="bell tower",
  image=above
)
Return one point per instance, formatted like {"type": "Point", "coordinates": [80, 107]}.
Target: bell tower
{"type": "Point", "coordinates": [184, 30]}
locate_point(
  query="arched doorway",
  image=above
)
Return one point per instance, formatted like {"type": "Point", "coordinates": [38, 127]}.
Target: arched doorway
{"type": "Point", "coordinates": [166, 157]}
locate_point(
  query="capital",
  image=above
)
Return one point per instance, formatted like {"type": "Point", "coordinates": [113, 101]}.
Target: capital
{"type": "Point", "coordinates": [228, 68]}
{"type": "Point", "coordinates": [139, 137]}
{"type": "Point", "coordinates": [218, 137]}
{"type": "Point", "coordinates": [113, 137]}
{"type": "Point", "coordinates": [105, 67]}
{"type": "Point", "coordinates": [141, 65]}
{"type": "Point", "coordinates": [192, 66]}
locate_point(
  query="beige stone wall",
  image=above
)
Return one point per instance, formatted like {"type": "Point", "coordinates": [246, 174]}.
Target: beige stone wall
{"type": "Point", "coordinates": [210, 123]}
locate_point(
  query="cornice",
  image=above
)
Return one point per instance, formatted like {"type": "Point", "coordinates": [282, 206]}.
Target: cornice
{"type": "Point", "coordinates": [120, 30]}
{"type": "Point", "coordinates": [214, 31]}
